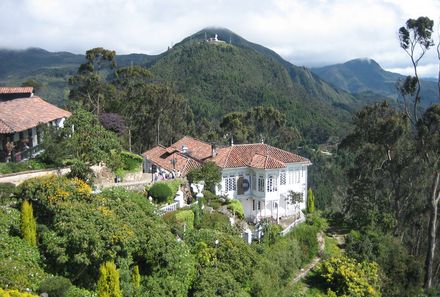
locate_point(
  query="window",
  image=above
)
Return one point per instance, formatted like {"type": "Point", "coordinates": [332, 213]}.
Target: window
{"type": "Point", "coordinates": [302, 171]}
{"type": "Point", "coordinates": [283, 178]}
{"type": "Point", "coordinates": [271, 184]}
{"type": "Point", "coordinates": [256, 205]}
{"type": "Point", "coordinates": [297, 174]}
{"type": "Point", "coordinates": [230, 183]}
{"type": "Point", "coordinates": [291, 179]}
{"type": "Point", "coordinates": [261, 183]}
{"type": "Point", "coordinates": [254, 182]}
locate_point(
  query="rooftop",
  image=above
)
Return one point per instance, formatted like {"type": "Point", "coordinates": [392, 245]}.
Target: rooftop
{"type": "Point", "coordinates": [16, 90]}
{"type": "Point", "coordinates": [20, 114]}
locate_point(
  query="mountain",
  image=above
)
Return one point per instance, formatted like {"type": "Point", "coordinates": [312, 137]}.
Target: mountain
{"type": "Point", "coordinates": [366, 75]}
{"type": "Point", "coordinates": [216, 77]}
{"type": "Point", "coordinates": [51, 69]}
{"type": "Point", "coordinates": [233, 74]}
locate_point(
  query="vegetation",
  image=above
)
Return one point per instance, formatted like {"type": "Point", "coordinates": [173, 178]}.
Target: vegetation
{"type": "Point", "coordinates": [28, 225]}
{"type": "Point", "coordinates": [209, 173]}
{"type": "Point", "coordinates": [108, 282]}
{"type": "Point", "coordinates": [164, 192]}
{"type": "Point", "coordinates": [310, 201]}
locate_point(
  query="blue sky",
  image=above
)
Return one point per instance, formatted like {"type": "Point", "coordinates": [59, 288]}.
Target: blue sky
{"type": "Point", "coordinates": [305, 32]}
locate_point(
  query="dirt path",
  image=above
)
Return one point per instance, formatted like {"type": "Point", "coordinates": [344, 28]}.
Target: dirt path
{"type": "Point", "coordinates": [303, 272]}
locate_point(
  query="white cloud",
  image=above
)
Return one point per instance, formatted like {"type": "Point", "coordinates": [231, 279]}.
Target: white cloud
{"type": "Point", "coordinates": [306, 32]}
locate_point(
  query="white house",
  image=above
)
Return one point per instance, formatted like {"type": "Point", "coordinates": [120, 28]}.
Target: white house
{"type": "Point", "coordinates": [259, 175]}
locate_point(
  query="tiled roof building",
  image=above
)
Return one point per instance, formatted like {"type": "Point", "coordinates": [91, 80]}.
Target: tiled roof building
{"type": "Point", "coordinates": [20, 114]}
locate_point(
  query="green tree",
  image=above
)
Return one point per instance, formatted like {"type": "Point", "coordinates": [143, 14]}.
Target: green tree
{"type": "Point", "coordinates": [310, 201]}
{"type": "Point", "coordinates": [415, 39]}
{"type": "Point", "coordinates": [108, 282]}
{"type": "Point", "coordinates": [83, 138]}
{"type": "Point", "coordinates": [209, 172]}
{"type": "Point", "coordinates": [89, 86]}
{"type": "Point", "coordinates": [28, 223]}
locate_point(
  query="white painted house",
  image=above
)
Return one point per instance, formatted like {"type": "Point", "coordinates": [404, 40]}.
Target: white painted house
{"type": "Point", "coordinates": [259, 175]}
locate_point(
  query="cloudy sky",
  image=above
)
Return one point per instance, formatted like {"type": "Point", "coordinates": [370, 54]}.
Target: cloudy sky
{"type": "Point", "coordinates": [305, 32]}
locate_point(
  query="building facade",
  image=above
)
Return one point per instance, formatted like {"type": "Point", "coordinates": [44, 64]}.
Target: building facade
{"type": "Point", "coordinates": [262, 177]}
{"type": "Point", "coordinates": [21, 112]}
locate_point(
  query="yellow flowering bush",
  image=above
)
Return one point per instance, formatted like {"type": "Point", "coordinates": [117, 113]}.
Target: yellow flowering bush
{"type": "Point", "coordinates": [15, 293]}
{"type": "Point", "coordinates": [347, 277]}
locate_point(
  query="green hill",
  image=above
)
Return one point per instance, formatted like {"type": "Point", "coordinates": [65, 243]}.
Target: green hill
{"type": "Point", "coordinates": [51, 69]}
{"type": "Point", "coordinates": [235, 75]}
{"type": "Point", "coordinates": [366, 75]}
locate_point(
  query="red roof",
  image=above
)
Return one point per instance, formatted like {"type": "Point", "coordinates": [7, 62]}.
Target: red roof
{"type": "Point", "coordinates": [16, 90]}
{"type": "Point", "coordinates": [163, 158]}
{"type": "Point", "coordinates": [257, 155]}
{"type": "Point", "coordinates": [196, 149]}
{"type": "Point", "coordinates": [24, 113]}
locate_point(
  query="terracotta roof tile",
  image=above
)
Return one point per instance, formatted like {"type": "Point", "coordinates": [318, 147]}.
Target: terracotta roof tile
{"type": "Point", "coordinates": [16, 90]}
{"type": "Point", "coordinates": [197, 149]}
{"type": "Point", "coordinates": [256, 155]}
{"type": "Point", "coordinates": [24, 113]}
{"type": "Point", "coordinates": [160, 156]}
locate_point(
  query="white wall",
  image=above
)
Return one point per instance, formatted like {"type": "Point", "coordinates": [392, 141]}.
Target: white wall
{"type": "Point", "coordinates": [296, 180]}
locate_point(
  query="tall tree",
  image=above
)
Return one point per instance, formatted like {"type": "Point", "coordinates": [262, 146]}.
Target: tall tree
{"type": "Point", "coordinates": [89, 87]}
{"type": "Point", "coordinates": [28, 223]}
{"type": "Point", "coordinates": [415, 39]}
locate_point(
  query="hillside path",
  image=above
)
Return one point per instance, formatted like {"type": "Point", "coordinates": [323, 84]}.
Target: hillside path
{"type": "Point", "coordinates": [303, 272]}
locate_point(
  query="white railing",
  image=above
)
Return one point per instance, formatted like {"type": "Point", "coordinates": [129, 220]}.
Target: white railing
{"type": "Point", "coordinates": [301, 219]}
{"type": "Point", "coordinates": [167, 208]}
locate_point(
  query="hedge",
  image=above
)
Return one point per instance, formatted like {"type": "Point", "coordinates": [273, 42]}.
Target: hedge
{"type": "Point", "coordinates": [236, 207]}
{"type": "Point", "coordinates": [161, 192]}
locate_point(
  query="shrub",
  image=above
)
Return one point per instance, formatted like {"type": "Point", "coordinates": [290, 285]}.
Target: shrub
{"type": "Point", "coordinates": [315, 219]}
{"type": "Point", "coordinates": [310, 201]}
{"type": "Point", "coordinates": [28, 224]}
{"type": "Point", "coordinates": [180, 220]}
{"type": "Point", "coordinates": [131, 161]}
{"type": "Point", "coordinates": [19, 264]}
{"type": "Point", "coordinates": [55, 286]}
{"type": "Point", "coordinates": [162, 192]}
{"type": "Point", "coordinates": [217, 221]}
{"type": "Point", "coordinates": [13, 167]}
{"type": "Point", "coordinates": [81, 170]}
{"type": "Point", "coordinates": [347, 277]}
{"type": "Point", "coordinates": [77, 292]}
{"type": "Point", "coordinates": [15, 293]}
{"type": "Point", "coordinates": [306, 236]}
{"type": "Point", "coordinates": [236, 207]}
{"type": "Point", "coordinates": [6, 191]}
{"type": "Point", "coordinates": [108, 282]}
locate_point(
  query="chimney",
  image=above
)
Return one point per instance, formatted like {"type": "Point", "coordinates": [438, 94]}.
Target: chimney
{"type": "Point", "coordinates": [184, 149]}
{"type": "Point", "coordinates": [213, 150]}
{"type": "Point", "coordinates": [232, 140]}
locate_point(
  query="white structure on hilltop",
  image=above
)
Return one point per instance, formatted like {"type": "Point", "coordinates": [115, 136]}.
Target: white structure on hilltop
{"type": "Point", "coordinates": [260, 176]}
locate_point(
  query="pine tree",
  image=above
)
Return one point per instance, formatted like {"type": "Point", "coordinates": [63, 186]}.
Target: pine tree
{"type": "Point", "coordinates": [108, 282]}
{"type": "Point", "coordinates": [28, 223]}
{"type": "Point", "coordinates": [310, 201]}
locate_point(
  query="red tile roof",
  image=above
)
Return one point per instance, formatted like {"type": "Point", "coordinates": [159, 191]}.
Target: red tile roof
{"type": "Point", "coordinates": [197, 149]}
{"type": "Point", "coordinates": [258, 155]}
{"type": "Point", "coordinates": [24, 113]}
{"type": "Point", "coordinates": [161, 156]}
{"type": "Point", "coordinates": [16, 90]}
